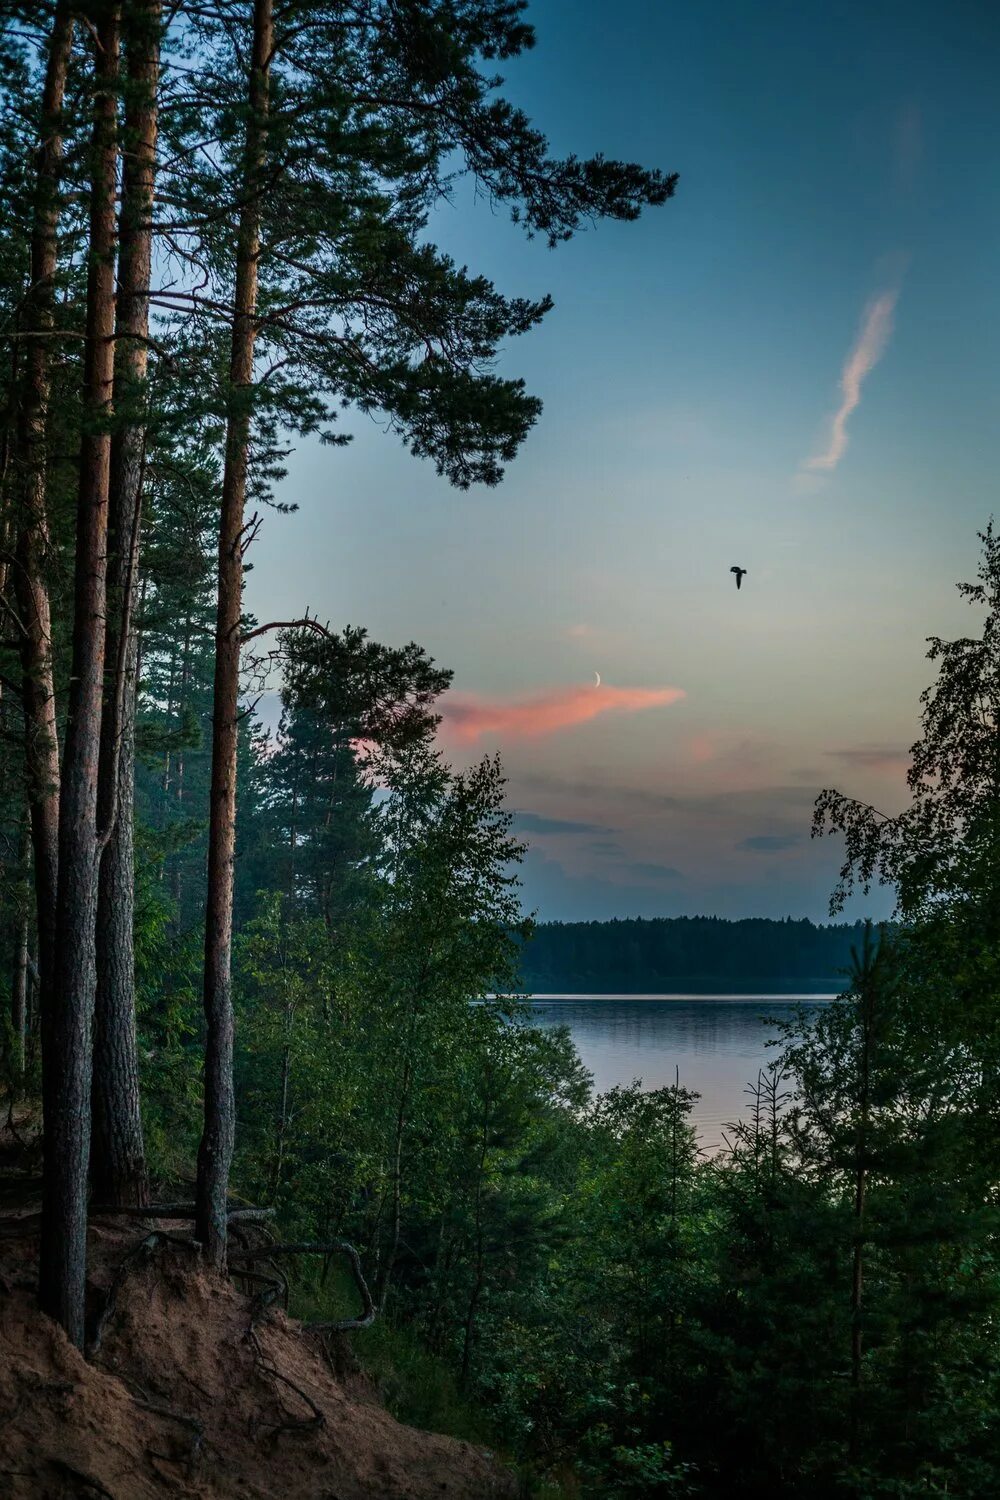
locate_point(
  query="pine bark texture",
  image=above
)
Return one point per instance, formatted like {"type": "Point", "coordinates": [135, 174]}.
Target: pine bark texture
{"type": "Point", "coordinates": [216, 1149]}
{"type": "Point", "coordinates": [19, 996]}
{"type": "Point", "coordinates": [19, 986]}
{"type": "Point", "coordinates": [118, 1163]}
{"type": "Point", "coordinates": [67, 1033]}
{"type": "Point", "coordinates": [32, 546]}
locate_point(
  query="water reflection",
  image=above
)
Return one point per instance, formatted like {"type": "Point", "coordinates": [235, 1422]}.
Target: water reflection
{"type": "Point", "coordinates": [716, 1043]}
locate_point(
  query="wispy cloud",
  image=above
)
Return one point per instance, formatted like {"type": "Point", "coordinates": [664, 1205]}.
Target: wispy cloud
{"type": "Point", "coordinates": [529, 822]}
{"type": "Point", "coordinates": [889, 758]}
{"type": "Point", "coordinates": [867, 350]}
{"type": "Point", "coordinates": [760, 802]}
{"type": "Point", "coordinates": [730, 753]}
{"type": "Point", "coordinates": [643, 870]}
{"type": "Point", "coordinates": [768, 843]}
{"type": "Point", "coordinates": [468, 718]}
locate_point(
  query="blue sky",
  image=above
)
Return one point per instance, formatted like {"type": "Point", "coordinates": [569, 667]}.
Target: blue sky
{"type": "Point", "coordinates": [829, 156]}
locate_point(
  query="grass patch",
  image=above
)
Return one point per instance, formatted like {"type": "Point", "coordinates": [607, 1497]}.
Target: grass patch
{"type": "Point", "coordinates": [416, 1385]}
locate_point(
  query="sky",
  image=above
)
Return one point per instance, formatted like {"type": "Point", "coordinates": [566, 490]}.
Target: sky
{"type": "Point", "coordinates": [793, 366]}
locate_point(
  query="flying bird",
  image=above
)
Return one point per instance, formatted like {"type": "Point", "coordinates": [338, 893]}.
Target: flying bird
{"type": "Point", "coordinates": [741, 573]}
{"type": "Point", "coordinates": [597, 679]}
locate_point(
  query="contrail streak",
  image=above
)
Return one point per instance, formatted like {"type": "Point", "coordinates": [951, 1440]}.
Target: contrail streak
{"type": "Point", "coordinates": [868, 348]}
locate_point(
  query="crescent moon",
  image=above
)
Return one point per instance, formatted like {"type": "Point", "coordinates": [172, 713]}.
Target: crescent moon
{"type": "Point", "coordinates": [597, 679]}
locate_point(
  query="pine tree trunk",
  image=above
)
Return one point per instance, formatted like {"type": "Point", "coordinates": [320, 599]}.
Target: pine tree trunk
{"type": "Point", "coordinates": [216, 1149]}
{"type": "Point", "coordinates": [19, 987]}
{"type": "Point", "coordinates": [67, 1029]}
{"type": "Point", "coordinates": [19, 996]}
{"type": "Point", "coordinates": [30, 586]}
{"type": "Point", "coordinates": [8, 526]}
{"type": "Point", "coordinates": [118, 1163]}
{"type": "Point", "coordinates": [177, 873]}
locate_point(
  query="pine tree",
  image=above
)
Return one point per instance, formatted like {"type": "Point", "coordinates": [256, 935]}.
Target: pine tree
{"type": "Point", "coordinates": [33, 530]}
{"type": "Point", "coordinates": [118, 1169]}
{"type": "Point", "coordinates": [67, 1029]}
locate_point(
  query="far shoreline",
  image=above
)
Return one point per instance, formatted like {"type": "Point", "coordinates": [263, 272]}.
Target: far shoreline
{"type": "Point", "coordinates": [782, 997]}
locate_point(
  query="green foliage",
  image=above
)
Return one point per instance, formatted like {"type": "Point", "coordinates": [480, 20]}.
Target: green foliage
{"type": "Point", "coordinates": [417, 1385]}
{"type": "Point", "coordinates": [168, 1004]}
{"type": "Point", "coordinates": [564, 1277]}
{"type": "Point", "coordinates": [648, 1470]}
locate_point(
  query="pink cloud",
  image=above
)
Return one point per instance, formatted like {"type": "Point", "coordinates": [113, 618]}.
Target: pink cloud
{"type": "Point", "coordinates": [732, 756]}
{"type": "Point", "coordinates": [867, 350]}
{"type": "Point", "coordinates": [468, 717]}
{"type": "Point", "coordinates": [701, 748]}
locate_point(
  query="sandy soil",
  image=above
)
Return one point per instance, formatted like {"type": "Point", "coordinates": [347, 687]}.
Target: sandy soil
{"type": "Point", "coordinates": [188, 1396]}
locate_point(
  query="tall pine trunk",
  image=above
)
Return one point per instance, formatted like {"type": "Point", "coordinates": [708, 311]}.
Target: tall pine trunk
{"type": "Point", "coordinates": [32, 547]}
{"type": "Point", "coordinates": [19, 989]}
{"type": "Point", "coordinates": [118, 1162]}
{"type": "Point", "coordinates": [67, 1029]}
{"type": "Point", "coordinates": [216, 1149]}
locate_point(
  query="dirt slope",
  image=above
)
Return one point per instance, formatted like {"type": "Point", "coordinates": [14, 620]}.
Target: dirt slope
{"type": "Point", "coordinates": [185, 1398]}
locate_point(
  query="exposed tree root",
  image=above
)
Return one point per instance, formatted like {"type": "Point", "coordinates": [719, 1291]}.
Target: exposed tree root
{"type": "Point", "coordinates": [18, 1182]}
{"type": "Point", "coordinates": [200, 1387]}
{"type": "Point", "coordinates": [328, 1247]}
{"type": "Point", "coordinates": [12, 1126]}
{"type": "Point", "coordinates": [267, 1367]}
{"type": "Point", "coordinates": [92, 1487]}
{"type": "Point", "coordinates": [13, 1227]}
{"type": "Point", "coordinates": [137, 1257]}
{"type": "Point", "coordinates": [192, 1458]}
{"type": "Point", "coordinates": [270, 1292]}
{"type": "Point", "coordinates": [273, 1290]}
{"type": "Point", "coordinates": [176, 1211]}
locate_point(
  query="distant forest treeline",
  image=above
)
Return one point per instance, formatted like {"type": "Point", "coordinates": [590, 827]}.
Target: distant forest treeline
{"type": "Point", "coordinates": [657, 953]}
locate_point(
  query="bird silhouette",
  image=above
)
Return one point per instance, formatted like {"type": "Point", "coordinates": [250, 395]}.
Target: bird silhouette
{"type": "Point", "coordinates": [741, 573]}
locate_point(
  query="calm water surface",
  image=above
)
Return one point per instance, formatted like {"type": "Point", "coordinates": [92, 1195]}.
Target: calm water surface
{"type": "Point", "coordinates": [717, 1042]}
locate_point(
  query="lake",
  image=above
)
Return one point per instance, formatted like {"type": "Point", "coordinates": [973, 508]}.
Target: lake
{"type": "Point", "coordinates": [716, 1042]}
